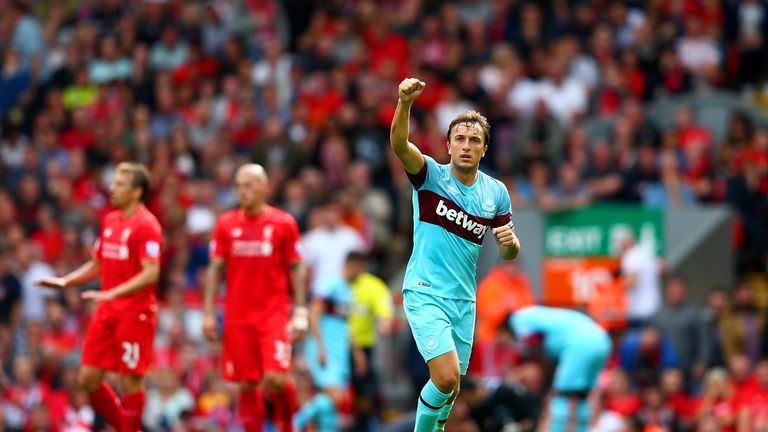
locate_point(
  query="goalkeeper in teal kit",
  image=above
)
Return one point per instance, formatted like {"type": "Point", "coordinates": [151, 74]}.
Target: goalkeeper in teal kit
{"type": "Point", "coordinates": [454, 205]}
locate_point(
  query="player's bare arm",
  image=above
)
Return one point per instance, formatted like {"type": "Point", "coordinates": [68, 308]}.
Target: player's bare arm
{"type": "Point", "coordinates": [509, 244]}
{"type": "Point", "coordinates": [82, 275]}
{"type": "Point", "coordinates": [300, 318]}
{"type": "Point", "coordinates": [316, 311]}
{"type": "Point", "coordinates": [212, 283]}
{"type": "Point", "coordinates": [410, 155]}
{"type": "Point", "coordinates": [149, 275]}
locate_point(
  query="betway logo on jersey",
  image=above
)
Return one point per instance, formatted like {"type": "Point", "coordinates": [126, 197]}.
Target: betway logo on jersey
{"type": "Point", "coordinates": [252, 248]}
{"type": "Point", "coordinates": [462, 219]}
{"type": "Point", "coordinates": [441, 211]}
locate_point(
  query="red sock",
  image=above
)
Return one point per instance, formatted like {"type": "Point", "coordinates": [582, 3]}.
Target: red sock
{"type": "Point", "coordinates": [252, 410]}
{"type": "Point", "coordinates": [286, 406]}
{"type": "Point", "coordinates": [134, 406]}
{"type": "Point", "coordinates": [105, 402]}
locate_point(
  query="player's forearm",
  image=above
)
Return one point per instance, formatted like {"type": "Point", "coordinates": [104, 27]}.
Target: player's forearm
{"type": "Point", "coordinates": [299, 283]}
{"type": "Point", "coordinates": [316, 311]}
{"type": "Point", "coordinates": [149, 275]}
{"type": "Point", "coordinates": [212, 284]}
{"type": "Point", "coordinates": [82, 275]}
{"type": "Point", "coordinates": [398, 132]}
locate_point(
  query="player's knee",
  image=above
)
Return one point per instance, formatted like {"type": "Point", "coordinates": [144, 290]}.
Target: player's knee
{"type": "Point", "coordinates": [248, 386]}
{"type": "Point", "coordinates": [132, 383]}
{"type": "Point", "coordinates": [446, 379]}
{"type": "Point", "coordinates": [89, 380]}
{"type": "Point", "coordinates": [275, 381]}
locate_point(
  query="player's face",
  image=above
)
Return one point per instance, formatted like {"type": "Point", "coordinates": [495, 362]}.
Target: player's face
{"type": "Point", "coordinates": [466, 146]}
{"type": "Point", "coordinates": [251, 190]}
{"type": "Point", "coordinates": [122, 191]}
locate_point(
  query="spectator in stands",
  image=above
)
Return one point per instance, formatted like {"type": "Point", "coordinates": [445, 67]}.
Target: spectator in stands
{"type": "Point", "coordinates": [671, 190]}
{"type": "Point", "coordinates": [683, 323]}
{"type": "Point", "coordinates": [641, 272]}
{"type": "Point", "coordinates": [328, 242]}
{"type": "Point", "coordinates": [504, 289]}
{"type": "Point", "coordinates": [655, 413]}
{"type": "Point", "coordinates": [679, 401]}
{"type": "Point", "coordinates": [716, 405]}
{"type": "Point", "coordinates": [742, 327]}
{"type": "Point", "coordinates": [718, 305]}
{"type": "Point", "coordinates": [645, 355]}
{"type": "Point", "coordinates": [166, 402]}
{"type": "Point", "coordinates": [752, 406]}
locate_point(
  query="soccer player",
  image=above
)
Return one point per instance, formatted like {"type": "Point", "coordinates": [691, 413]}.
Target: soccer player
{"type": "Point", "coordinates": [257, 246]}
{"type": "Point", "coordinates": [454, 205]}
{"type": "Point", "coordinates": [121, 333]}
{"type": "Point", "coordinates": [328, 346]}
{"type": "Point", "coordinates": [578, 345]}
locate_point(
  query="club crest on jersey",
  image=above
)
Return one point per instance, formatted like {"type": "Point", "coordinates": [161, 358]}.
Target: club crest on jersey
{"type": "Point", "coordinates": [237, 232]}
{"type": "Point", "coordinates": [488, 207]}
{"type": "Point", "coordinates": [268, 232]}
{"type": "Point", "coordinates": [108, 233]}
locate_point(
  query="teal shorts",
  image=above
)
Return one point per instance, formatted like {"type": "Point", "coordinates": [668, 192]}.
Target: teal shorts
{"type": "Point", "coordinates": [440, 325]}
{"type": "Point", "coordinates": [581, 363]}
{"type": "Point", "coordinates": [335, 372]}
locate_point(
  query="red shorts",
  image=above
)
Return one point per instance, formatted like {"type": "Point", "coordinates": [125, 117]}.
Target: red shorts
{"type": "Point", "coordinates": [121, 343]}
{"type": "Point", "coordinates": [248, 351]}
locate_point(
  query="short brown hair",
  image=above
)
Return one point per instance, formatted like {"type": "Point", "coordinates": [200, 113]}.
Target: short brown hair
{"type": "Point", "coordinates": [472, 117]}
{"type": "Point", "coordinates": [139, 176]}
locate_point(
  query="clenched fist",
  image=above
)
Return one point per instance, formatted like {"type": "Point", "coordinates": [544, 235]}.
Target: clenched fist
{"type": "Point", "coordinates": [410, 89]}
{"type": "Point", "coordinates": [505, 235]}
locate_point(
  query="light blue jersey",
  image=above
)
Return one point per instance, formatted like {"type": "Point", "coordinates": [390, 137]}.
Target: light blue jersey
{"type": "Point", "coordinates": [336, 294]}
{"type": "Point", "coordinates": [579, 345]}
{"type": "Point", "coordinates": [450, 220]}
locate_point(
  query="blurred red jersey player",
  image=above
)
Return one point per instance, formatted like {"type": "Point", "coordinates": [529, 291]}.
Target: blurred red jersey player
{"type": "Point", "coordinates": [121, 333]}
{"type": "Point", "coordinates": [257, 246]}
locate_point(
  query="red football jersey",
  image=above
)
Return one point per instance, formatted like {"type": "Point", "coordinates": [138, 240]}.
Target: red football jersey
{"type": "Point", "coordinates": [121, 248]}
{"type": "Point", "coordinates": [259, 251]}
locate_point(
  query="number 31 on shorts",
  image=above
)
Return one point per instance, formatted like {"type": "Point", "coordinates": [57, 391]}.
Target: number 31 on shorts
{"type": "Point", "coordinates": [131, 354]}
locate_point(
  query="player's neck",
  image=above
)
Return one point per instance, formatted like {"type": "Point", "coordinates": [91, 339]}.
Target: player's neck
{"type": "Point", "coordinates": [130, 209]}
{"type": "Point", "coordinates": [255, 210]}
{"type": "Point", "coordinates": [467, 178]}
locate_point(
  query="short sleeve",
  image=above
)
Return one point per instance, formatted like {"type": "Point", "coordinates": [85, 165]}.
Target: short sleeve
{"type": "Point", "coordinates": [503, 208]}
{"type": "Point", "coordinates": [217, 248]}
{"type": "Point", "coordinates": [149, 242]}
{"type": "Point", "coordinates": [426, 174]}
{"type": "Point", "coordinates": [292, 250]}
{"type": "Point", "coordinates": [96, 251]}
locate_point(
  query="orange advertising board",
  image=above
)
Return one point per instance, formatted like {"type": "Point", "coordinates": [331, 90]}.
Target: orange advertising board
{"type": "Point", "coordinates": [572, 282]}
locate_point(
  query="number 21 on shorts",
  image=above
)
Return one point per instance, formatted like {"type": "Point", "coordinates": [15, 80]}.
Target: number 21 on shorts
{"type": "Point", "coordinates": [131, 354]}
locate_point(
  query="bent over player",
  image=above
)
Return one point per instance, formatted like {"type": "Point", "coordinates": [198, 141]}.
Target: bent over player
{"type": "Point", "coordinates": [257, 246]}
{"type": "Point", "coordinates": [581, 349]}
{"type": "Point", "coordinates": [121, 333]}
{"type": "Point", "coordinates": [454, 205]}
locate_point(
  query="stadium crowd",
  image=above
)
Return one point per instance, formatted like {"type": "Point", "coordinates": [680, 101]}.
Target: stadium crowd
{"type": "Point", "coordinates": [307, 89]}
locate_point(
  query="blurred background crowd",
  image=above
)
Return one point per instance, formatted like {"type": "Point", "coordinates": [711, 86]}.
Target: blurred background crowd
{"type": "Point", "coordinates": [307, 89]}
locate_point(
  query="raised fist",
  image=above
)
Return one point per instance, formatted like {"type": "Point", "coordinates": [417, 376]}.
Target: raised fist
{"type": "Point", "coordinates": [410, 89]}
